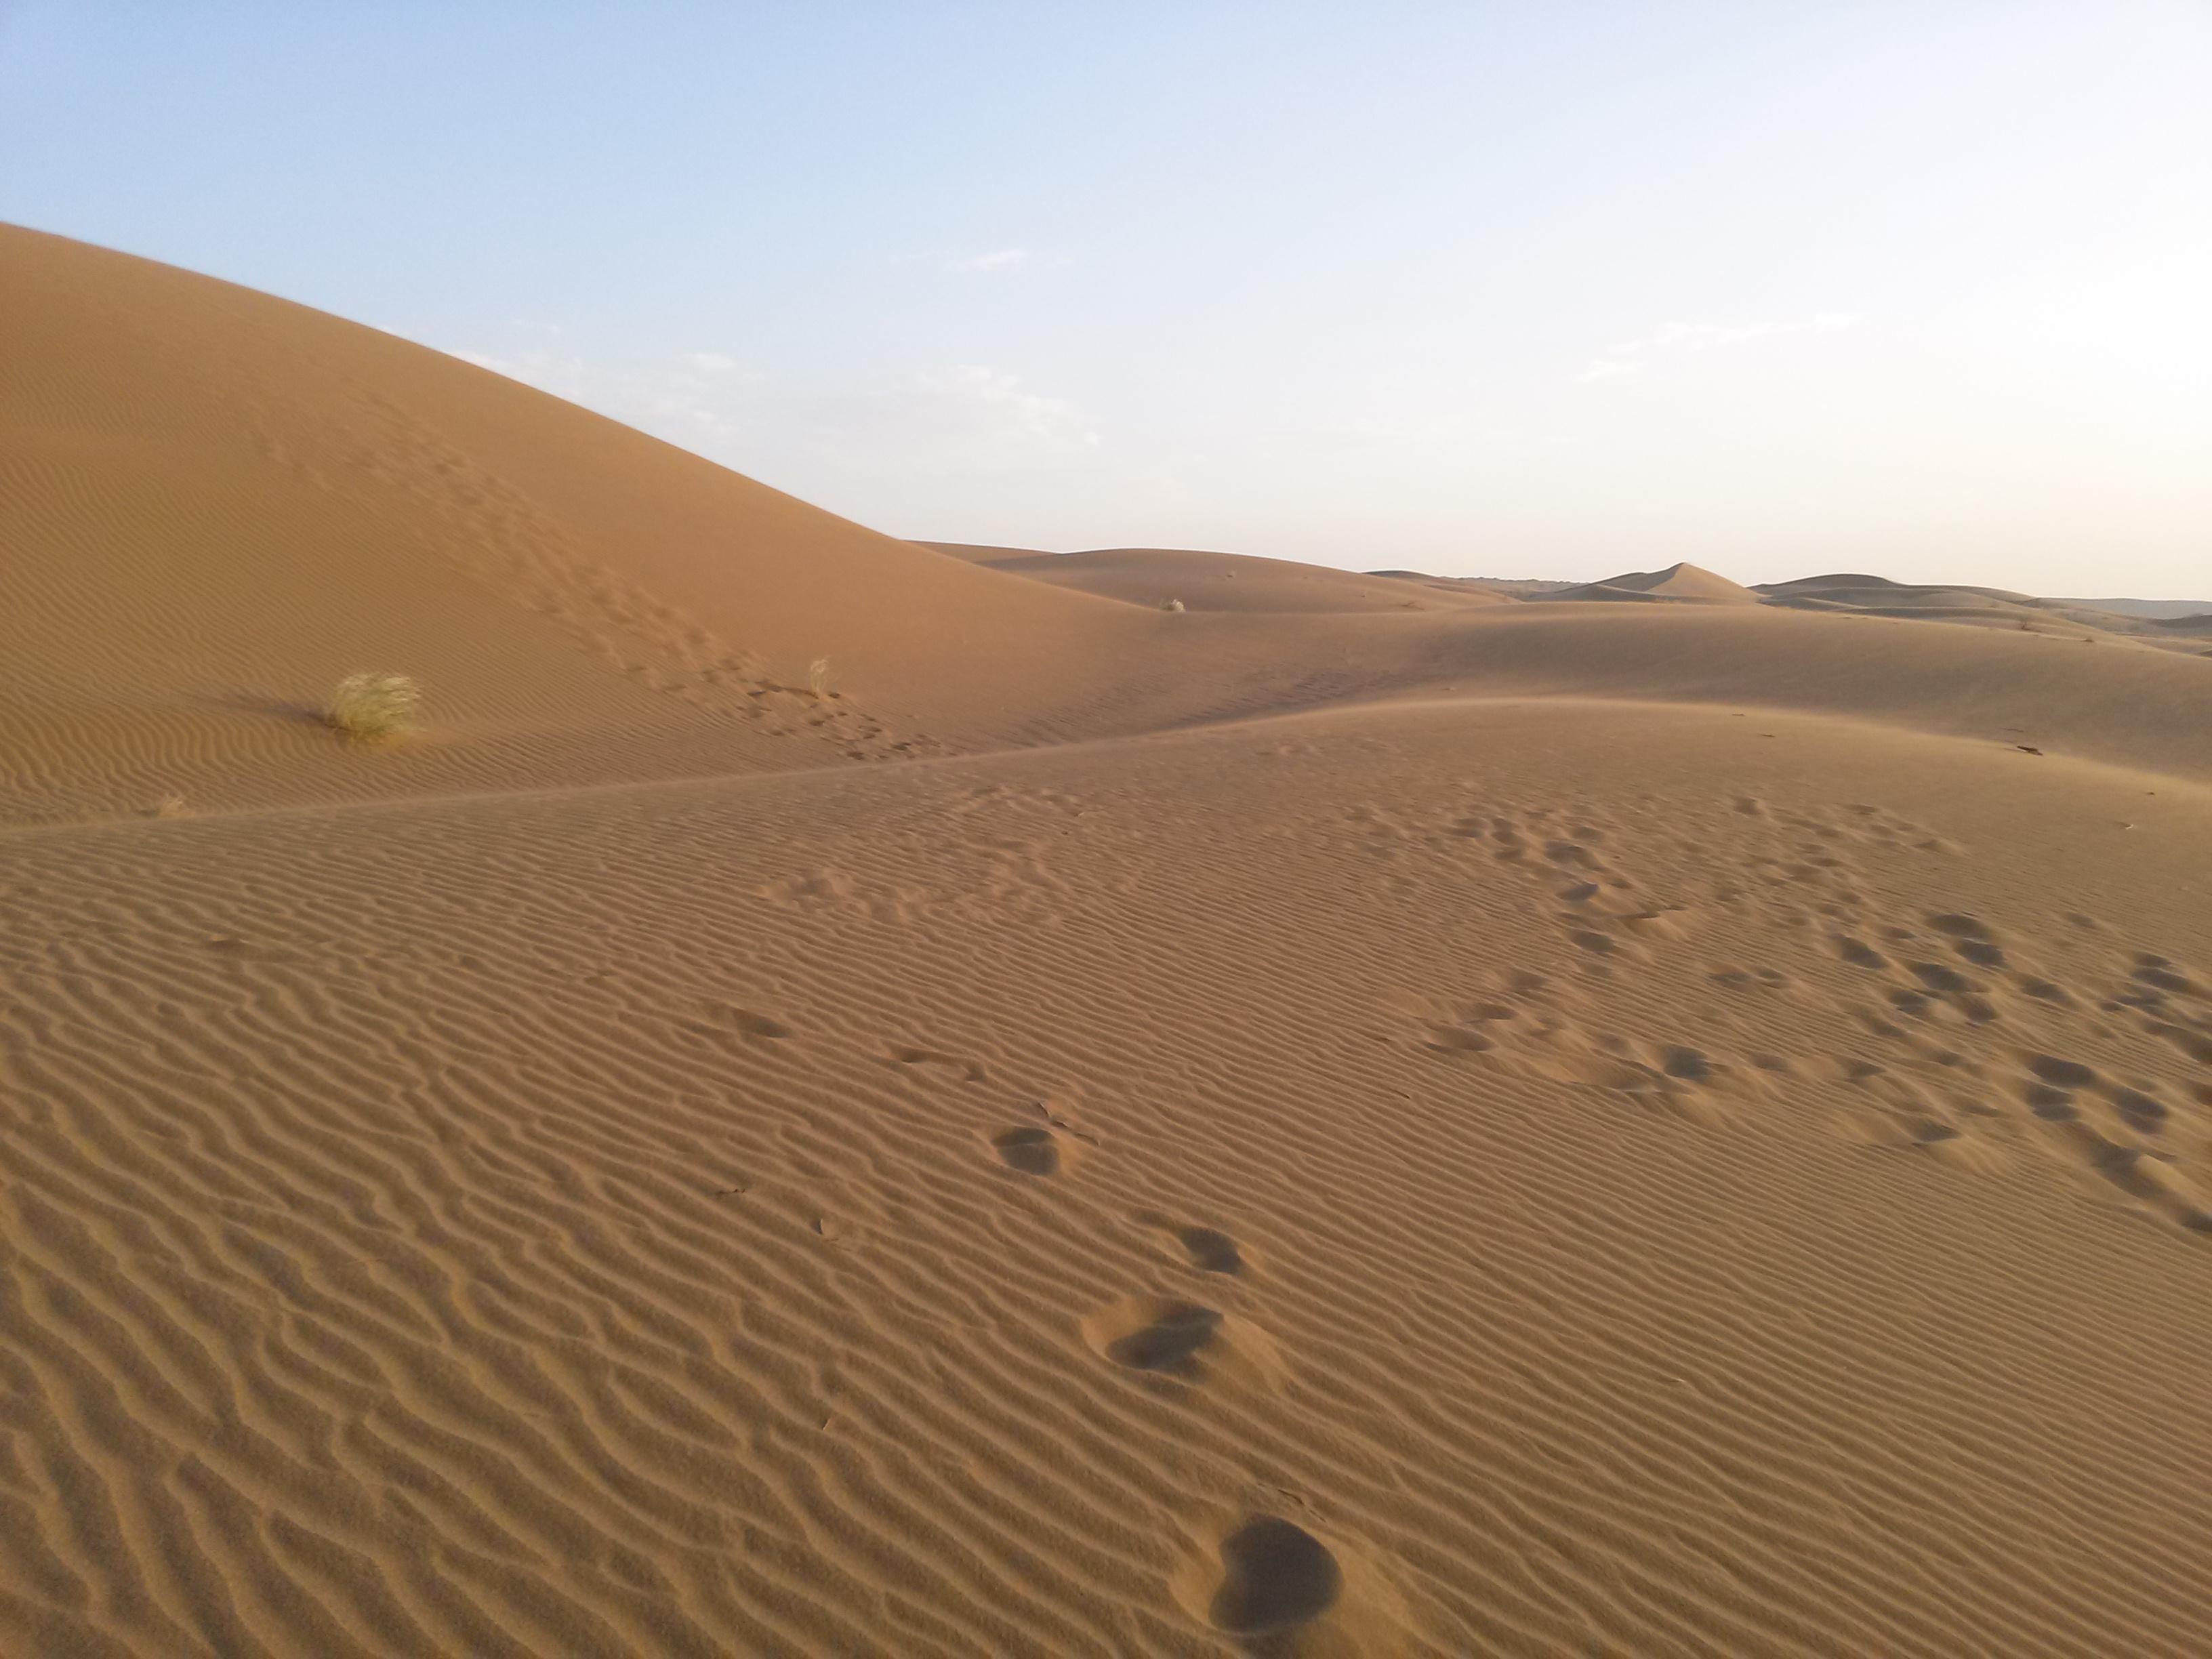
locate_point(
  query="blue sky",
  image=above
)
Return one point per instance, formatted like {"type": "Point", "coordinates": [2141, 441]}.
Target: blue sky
{"type": "Point", "coordinates": [1529, 289]}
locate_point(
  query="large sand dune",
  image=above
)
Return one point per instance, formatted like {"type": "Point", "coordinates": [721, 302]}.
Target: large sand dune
{"type": "Point", "coordinates": [1678, 584]}
{"type": "Point", "coordinates": [1526, 1128]}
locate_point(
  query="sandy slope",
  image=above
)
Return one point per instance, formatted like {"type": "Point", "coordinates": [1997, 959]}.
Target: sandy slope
{"type": "Point", "coordinates": [1545, 1128]}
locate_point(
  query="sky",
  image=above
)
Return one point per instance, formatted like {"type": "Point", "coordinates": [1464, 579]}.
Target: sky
{"type": "Point", "coordinates": [1549, 287]}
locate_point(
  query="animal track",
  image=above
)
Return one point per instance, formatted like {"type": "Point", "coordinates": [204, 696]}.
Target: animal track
{"type": "Point", "coordinates": [1207, 1249]}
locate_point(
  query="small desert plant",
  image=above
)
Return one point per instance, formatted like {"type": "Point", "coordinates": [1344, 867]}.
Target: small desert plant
{"type": "Point", "coordinates": [170, 806]}
{"type": "Point", "coordinates": [817, 677]}
{"type": "Point", "coordinates": [373, 708]}
{"type": "Point", "coordinates": [1173, 607]}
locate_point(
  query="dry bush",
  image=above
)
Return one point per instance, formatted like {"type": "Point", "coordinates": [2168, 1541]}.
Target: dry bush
{"type": "Point", "coordinates": [1173, 607]}
{"type": "Point", "coordinates": [374, 708]}
{"type": "Point", "coordinates": [817, 677]}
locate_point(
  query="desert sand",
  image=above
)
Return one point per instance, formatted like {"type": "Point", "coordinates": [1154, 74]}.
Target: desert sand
{"type": "Point", "coordinates": [840, 1098]}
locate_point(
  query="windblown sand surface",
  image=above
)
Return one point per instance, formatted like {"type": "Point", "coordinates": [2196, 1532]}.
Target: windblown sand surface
{"type": "Point", "coordinates": [1533, 1128]}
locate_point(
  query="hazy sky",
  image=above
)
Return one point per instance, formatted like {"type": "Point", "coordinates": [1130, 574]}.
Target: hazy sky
{"type": "Point", "coordinates": [1545, 288]}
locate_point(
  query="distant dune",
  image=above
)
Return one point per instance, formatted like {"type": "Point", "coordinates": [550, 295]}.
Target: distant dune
{"type": "Point", "coordinates": [1678, 584]}
{"type": "Point", "coordinates": [1980, 606]}
{"type": "Point", "coordinates": [1517, 587]}
{"type": "Point", "coordinates": [846, 1097]}
{"type": "Point", "coordinates": [979, 552]}
{"type": "Point", "coordinates": [2150, 610]}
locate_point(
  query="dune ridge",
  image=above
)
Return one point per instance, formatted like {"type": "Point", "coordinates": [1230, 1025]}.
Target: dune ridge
{"type": "Point", "coordinates": [1520, 1128]}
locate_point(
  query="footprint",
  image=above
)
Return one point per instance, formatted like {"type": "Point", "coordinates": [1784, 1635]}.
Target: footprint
{"type": "Point", "coordinates": [1937, 977]}
{"type": "Point", "coordinates": [2161, 974]}
{"type": "Point", "coordinates": [1858, 953]}
{"type": "Point", "coordinates": [2061, 1074]}
{"type": "Point", "coordinates": [2142, 1176]}
{"type": "Point", "coordinates": [1960, 927]}
{"type": "Point", "coordinates": [1211, 1250]}
{"type": "Point", "coordinates": [1275, 1578]}
{"type": "Point", "coordinates": [2141, 1112]}
{"type": "Point", "coordinates": [1147, 1333]}
{"type": "Point", "coordinates": [1033, 1152]}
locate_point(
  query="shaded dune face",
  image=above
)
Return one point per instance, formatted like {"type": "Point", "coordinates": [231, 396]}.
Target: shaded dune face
{"type": "Point", "coordinates": [828, 1097]}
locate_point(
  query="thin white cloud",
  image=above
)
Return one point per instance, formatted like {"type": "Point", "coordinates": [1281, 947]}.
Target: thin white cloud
{"type": "Point", "coordinates": [710, 362]}
{"type": "Point", "coordinates": [1001, 262]}
{"type": "Point", "coordinates": [1004, 259]}
{"type": "Point", "coordinates": [1633, 356]}
{"type": "Point", "coordinates": [1003, 412]}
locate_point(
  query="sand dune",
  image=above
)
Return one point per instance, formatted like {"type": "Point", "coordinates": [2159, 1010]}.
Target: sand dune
{"type": "Point", "coordinates": [2150, 610]}
{"type": "Point", "coordinates": [1678, 584]}
{"type": "Point", "coordinates": [1287, 1128]}
{"type": "Point", "coordinates": [1988, 607]}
